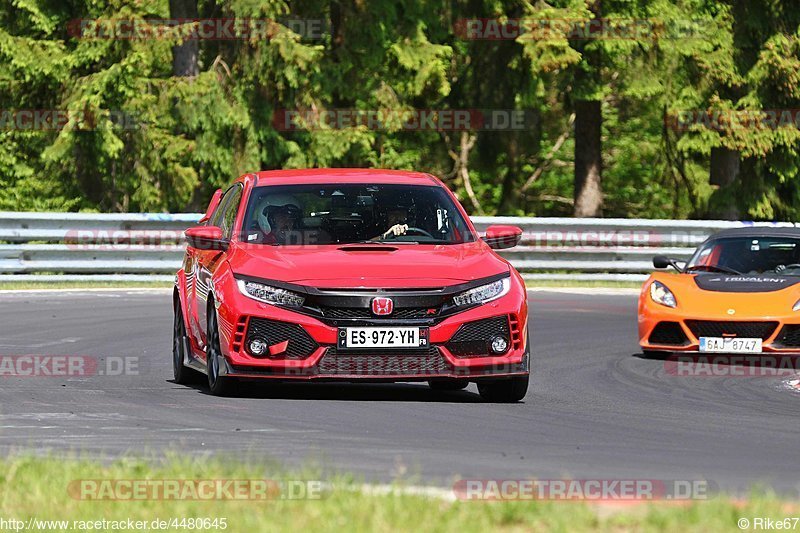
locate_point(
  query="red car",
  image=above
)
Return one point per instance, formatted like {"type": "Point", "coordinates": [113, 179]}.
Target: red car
{"type": "Point", "coordinates": [350, 275]}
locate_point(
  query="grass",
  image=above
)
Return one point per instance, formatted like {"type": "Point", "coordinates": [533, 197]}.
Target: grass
{"type": "Point", "coordinates": [38, 487]}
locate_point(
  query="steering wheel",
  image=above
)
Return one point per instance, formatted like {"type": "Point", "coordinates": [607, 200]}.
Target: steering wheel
{"type": "Point", "coordinates": [419, 231]}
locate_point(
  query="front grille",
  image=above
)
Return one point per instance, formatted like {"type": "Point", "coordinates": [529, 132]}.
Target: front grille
{"type": "Point", "coordinates": [472, 339]}
{"type": "Point", "coordinates": [361, 313]}
{"type": "Point", "coordinates": [789, 336]}
{"type": "Point", "coordinates": [668, 333]}
{"type": "Point", "coordinates": [300, 346]}
{"type": "Point", "coordinates": [390, 362]}
{"type": "Point", "coordinates": [710, 328]}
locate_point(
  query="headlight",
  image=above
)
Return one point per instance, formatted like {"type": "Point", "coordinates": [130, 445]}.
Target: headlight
{"type": "Point", "coordinates": [662, 295]}
{"type": "Point", "coordinates": [796, 306]}
{"type": "Point", "coordinates": [484, 293]}
{"type": "Point", "coordinates": [269, 294]}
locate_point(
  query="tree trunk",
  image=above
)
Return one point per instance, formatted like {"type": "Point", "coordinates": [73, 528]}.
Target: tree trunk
{"type": "Point", "coordinates": [184, 56]}
{"type": "Point", "coordinates": [509, 191]}
{"type": "Point", "coordinates": [724, 173]}
{"type": "Point", "coordinates": [588, 158]}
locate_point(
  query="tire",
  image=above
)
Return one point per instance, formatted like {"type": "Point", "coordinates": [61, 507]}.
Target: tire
{"type": "Point", "coordinates": [449, 384]}
{"type": "Point", "coordinates": [510, 390]}
{"type": "Point", "coordinates": [182, 374]}
{"type": "Point", "coordinates": [217, 385]}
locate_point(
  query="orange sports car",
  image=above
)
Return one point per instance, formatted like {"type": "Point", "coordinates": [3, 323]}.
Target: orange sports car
{"type": "Point", "coordinates": [739, 293]}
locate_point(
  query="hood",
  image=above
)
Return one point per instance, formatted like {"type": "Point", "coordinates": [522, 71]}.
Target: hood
{"type": "Point", "coordinates": [369, 265]}
{"type": "Point", "coordinates": [716, 296]}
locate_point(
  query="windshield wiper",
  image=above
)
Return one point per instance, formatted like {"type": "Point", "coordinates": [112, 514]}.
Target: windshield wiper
{"type": "Point", "coordinates": [713, 268]}
{"type": "Point", "coordinates": [379, 241]}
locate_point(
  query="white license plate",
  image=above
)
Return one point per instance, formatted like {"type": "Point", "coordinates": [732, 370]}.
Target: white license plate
{"type": "Point", "coordinates": [730, 345]}
{"type": "Point", "coordinates": [383, 337]}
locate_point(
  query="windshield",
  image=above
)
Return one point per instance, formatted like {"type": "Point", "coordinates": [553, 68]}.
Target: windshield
{"type": "Point", "coordinates": [748, 255]}
{"type": "Point", "coordinates": [282, 215]}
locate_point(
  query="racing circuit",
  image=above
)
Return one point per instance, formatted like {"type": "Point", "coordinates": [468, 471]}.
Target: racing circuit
{"type": "Point", "coordinates": [595, 409]}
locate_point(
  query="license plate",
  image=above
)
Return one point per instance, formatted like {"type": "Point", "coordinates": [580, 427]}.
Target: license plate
{"type": "Point", "coordinates": [383, 337]}
{"type": "Point", "coordinates": [730, 345]}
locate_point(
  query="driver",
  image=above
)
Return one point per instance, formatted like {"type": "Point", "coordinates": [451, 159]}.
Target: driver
{"type": "Point", "coordinates": [278, 216]}
{"type": "Point", "coordinates": [779, 260]}
{"type": "Point", "coordinates": [397, 219]}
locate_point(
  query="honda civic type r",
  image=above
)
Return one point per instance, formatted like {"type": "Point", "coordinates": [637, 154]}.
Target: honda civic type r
{"type": "Point", "coordinates": [739, 293]}
{"type": "Point", "coordinates": [351, 275]}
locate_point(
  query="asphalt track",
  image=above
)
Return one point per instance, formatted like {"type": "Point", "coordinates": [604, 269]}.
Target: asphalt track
{"type": "Point", "coordinates": [595, 409]}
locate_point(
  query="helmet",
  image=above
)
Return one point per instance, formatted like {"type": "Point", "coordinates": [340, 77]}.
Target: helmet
{"type": "Point", "coordinates": [399, 205]}
{"type": "Point", "coordinates": [271, 204]}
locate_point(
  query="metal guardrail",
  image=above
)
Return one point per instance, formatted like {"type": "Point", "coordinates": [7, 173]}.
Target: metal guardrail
{"type": "Point", "coordinates": [149, 246]}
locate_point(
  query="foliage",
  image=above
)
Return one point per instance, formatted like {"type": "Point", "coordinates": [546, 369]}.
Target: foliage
{"type": "Point", "coordinates": [136, 137]}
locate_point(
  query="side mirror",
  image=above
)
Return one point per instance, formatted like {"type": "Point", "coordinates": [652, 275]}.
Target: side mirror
{"type": "Point", "coordinates": [212, 205]}
{"type": "Point", "coordinates": [502, 237]}
{"type": "Point", "coordinates": [662, 261]}
{"type": "Point", "coordinates": [206, 238]}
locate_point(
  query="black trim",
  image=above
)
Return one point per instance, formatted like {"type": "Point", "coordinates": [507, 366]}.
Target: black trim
{"type": "Point", "coordinates": [314, 374]}
{"type": "Point", "coordinates": [316, 300]}
{"type": "Point", "coordinates": [301, 344]}
{"type": "Point", "coordinates": [472, 338]}
{"type": "Point", "coordinates": [668, 334]}
{"type": "Point", "coordinates": [746, 283]}
{"type": "Point", "coordinates": [762, 329]}
{"type": "Point", "coordinates": [757, 231]}
{"type": "Point", "coordinates": [789, 337]}
{"type": "Point", "coordinates": [222, 204]}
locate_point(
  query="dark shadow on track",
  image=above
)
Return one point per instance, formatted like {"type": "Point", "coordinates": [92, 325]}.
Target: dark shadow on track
{"type": "Point", "coordinates": [790, 361]}
{"type": "Point", "coordinates": [366, 392]}
{"type": "Point", "coordinates": [652, 356]}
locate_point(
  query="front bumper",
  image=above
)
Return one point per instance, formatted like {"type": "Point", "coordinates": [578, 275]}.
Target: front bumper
{"type": "Point", "coordinates": [377, 368]}
{"type": "Point", "coordinates": [671, 331]}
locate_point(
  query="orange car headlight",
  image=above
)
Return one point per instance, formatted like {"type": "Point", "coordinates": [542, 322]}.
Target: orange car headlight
{"type": "Point", "coordinates": [661, 294]}
{"type": "Point", "coordinates": [796, 306]}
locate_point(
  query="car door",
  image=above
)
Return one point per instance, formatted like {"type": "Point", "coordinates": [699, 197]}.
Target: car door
{"type": "Point", "coordinates": [207, 261]}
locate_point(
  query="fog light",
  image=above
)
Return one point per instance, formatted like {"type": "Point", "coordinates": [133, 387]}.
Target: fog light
{"type": "Point", "coordinates": [258, 347]}
{"type": "Point", "coordinates": [499, 344]}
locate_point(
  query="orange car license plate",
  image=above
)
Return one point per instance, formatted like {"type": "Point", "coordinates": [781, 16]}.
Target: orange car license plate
{"type": "Point", "coordinates": [730, 345]}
